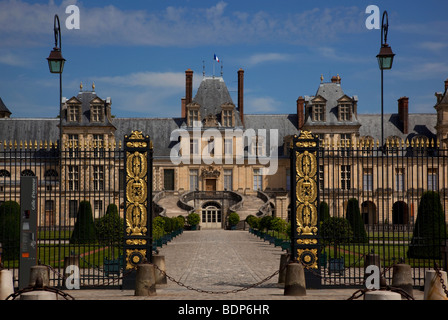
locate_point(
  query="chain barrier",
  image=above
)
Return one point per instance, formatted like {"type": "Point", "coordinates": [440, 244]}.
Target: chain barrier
{"type": "Point", "coordinates": [224, 291]}
{"type": "Point", "coordinates": [439, 274]}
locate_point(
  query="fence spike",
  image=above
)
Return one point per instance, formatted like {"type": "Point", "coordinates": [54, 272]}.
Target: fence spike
{"type": "Point", "coordinates": [40, 144]}
{"type": "Point", "coordinates": [35, 144]}
{"type": "Point", "coordinates": [15, 144]}
{"type": "Point", "coordinates": [46, 145]}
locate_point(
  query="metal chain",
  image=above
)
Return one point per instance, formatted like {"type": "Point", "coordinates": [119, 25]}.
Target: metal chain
{"type": "Point", "coordinates": [220, 292]}
{"type": "Point", "coordinates": [439, 274]}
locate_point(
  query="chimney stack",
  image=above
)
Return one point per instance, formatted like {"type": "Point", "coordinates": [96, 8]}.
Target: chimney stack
{"type": "Point", "coordinates": [403, 103]}
{"type": "Point", "coordinates": [336, 79]}
{"type": "Point", "coordinates": [241, 94]}
{"type": "Point", "coordinates": [188, 86]}
{"type": "Point", "coordinates": [446, 84]}
{"type": "Point", "coordinates": [300, 112]}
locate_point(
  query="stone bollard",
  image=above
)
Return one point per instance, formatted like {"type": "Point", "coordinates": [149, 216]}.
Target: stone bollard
{"type": "Point", "coordinates": [433, 287]}
{"type": "Point", "coordinates": [6, 284]}
{"type": "Point", "coordinates": [402, 278]}
{"type": "Point", "coordinates": [145, 280]}
{"type": "Point", "coordinates": [159, 261]}
{"type": "Point", "coordinates": [382, 295]}
{"type": "Point", "coordinates": [38, 295]}
{"type": "Point", "coordinates": [41, 272]}
{"type": "Point", "coordinates": [284, 259]}
{"type": "Point", "coordinates": [295, 280]}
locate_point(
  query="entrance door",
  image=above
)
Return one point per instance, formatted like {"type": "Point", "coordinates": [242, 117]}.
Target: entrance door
{"type": "Point", "coordinates": [210, 185]}
{"type": "Point", "coordinates": [168, 179]}
{"type": "Point", "coordinates": [211, 216]}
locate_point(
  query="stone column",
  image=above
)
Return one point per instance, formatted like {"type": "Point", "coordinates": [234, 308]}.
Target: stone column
{"type": "Point", "coordinates": [145, 281]}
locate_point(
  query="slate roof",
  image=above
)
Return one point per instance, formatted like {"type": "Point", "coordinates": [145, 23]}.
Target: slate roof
{"type": "Point", "coordinates": [211, 94]}
{"type": "Point", "coordinates": [86, 97]}
{"type": "Point", "coordinates": [331, 92]}
{"type": "Point", "coordinates": [3, 107]}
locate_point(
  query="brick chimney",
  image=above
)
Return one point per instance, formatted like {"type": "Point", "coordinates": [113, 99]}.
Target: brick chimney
{"type": "Point", "coordinates": [300, 112]}
{"type": "Point", "coordinates": [336, 79]}
{"type": "Point", "coordinates": [241, 94]}
{"type": "Point", "coordinates": [403, 103]}
{"type": "Point", "coordinates": [188, 86]}
{"type": "Point", "coordinates": [446, 84]}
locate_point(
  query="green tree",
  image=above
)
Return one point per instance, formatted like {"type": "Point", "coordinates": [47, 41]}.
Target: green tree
{"type": "Point", "coordinates": [324, 211]}
{"type": "Point", "coordinates": [354, 218]}
{"type": "Point", "coordinates": [158, 227]}
{"type": "Point", "coordinates": [10, 229]}
{"type": "Point", "coordinates": [234, 218]}
{"type": "Point", "coordinates": [110, 228]}
{"type": "Point", "coordinates": [429, 229]}
{"type": "Point", "coordinates": [336, 230]}
{"type": "Point", "coordinates": [84, 230]}
{"type": "Point", "coordinates": [193, 219]}
{"type": "Point", "coordinates": [253, 221]}
{"type": "Point", "coordinates": [266, 223]}
{"type": "Point", "coordinates": [279, 225]}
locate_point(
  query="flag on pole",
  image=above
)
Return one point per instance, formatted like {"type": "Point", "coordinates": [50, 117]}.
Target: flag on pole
{"type": "Point", "coordinates": [216, 58]}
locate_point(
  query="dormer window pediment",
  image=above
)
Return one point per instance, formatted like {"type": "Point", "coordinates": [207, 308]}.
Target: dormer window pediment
{"type": "Point", "coordinates": [73, 106]}
{"type": "Point", "coordinates": [318, 108]}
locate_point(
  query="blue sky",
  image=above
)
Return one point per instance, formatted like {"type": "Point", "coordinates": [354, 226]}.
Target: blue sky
{"type": "Point", "coordinates": [136, 52]}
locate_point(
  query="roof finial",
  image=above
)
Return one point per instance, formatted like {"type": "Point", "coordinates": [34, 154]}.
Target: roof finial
{"type": "Point", "coordinates": [80, 86]}
{"type": "Point", "coordinates": [203, 68]}
{"type": "Point", "coordinates": [321, 78]}
{"type": "Point", "coordinates": [93, 86]}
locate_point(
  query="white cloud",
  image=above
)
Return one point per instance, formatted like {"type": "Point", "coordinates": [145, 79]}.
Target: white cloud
{"type": "Point", "coordinates": [174, 80]}
{"type": "Point", "coordinates": [261, 104]}
{"type": "Point", "coordinates": [268, 57]}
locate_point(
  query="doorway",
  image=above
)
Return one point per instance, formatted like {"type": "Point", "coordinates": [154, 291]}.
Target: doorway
{"type": "Point", "coordinates": [210, 185]}
{"type": "Point", "coordinates": [211, 217]}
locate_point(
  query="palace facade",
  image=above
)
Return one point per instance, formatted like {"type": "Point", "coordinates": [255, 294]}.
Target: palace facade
{"type": "Point", "coordinates": [240, 162]}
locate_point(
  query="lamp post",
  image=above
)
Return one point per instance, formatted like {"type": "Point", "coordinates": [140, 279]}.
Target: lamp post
{"type": "Point", "coordinates": [56, 64]}
{"type": "Point", "coordinates": [385, 59]}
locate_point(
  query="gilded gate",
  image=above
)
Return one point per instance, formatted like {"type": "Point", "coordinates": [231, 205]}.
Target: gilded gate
{"type": "Point", "coordinates": [138, 204]}
{"type": "Point", "coordinates": [304, 205]}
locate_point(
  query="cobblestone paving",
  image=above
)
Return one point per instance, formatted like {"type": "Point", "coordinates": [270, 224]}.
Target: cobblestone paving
{"type": "Point", "coordinates": [218, 261]}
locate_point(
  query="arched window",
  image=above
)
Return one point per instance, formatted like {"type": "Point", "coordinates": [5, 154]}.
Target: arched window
{"type": "Point", "coordinates": [27, 173]}
{"type": "Point", "coordinates": [5, 173]}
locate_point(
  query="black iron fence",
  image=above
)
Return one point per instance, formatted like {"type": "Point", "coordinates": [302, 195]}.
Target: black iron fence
{"type": "Point", "coordinates": [80, 202]}
{"type": "Point", "coordinates": [385, 201]}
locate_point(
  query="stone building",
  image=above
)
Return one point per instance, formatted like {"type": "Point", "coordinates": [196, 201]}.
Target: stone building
{"type": "Point", "coordinates": [240, 161]}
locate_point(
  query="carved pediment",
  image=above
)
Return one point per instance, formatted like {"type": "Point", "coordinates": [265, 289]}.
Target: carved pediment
{"type": "Point", "coordinates": [210, 121]}
{"type": "Point", "coordinates": [210, 172]}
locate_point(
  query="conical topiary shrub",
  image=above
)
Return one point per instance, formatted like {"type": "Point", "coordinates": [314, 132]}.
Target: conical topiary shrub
{"type": "Point", "coordinates": [84, 230]}
{"type": "Point", "coordinates": [429, 229]}
{"type": "Point", "coordinates": [10, 229]}
{"type": "Point", "coordinates": [354, 218]}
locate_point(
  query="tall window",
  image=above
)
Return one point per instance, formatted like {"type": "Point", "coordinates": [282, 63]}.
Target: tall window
{"type": "Point", "coordinates": [228, 179]}
{"type": "Point", "coordinates": [346, 177]}
{"type": "Point", "coordinates": [73, 145]}
{"type": "Point", "coordinates": [227, 118]}
{"type": "Point", "coordinates": [73, 208]}
{"type": "Point", "coordinates": [73, 178]}
{"type": "Point", "coordinates": [98, 178]}
{"type": "Point", "coordinates": [318, 112]}
{"type": "Point", "coordinates": [432, 179]}
{"type": "Point", "coordinates": [399, 179]}
{"type": "Point", "coordinates": [321, 177]}
{"type": "Point", "coordinates": [288, 179]}
{"type": "Point", "coordinates": [98, 206]}
{"type": "Point", "coordinates": [194, 179]}
{"type": "Point", "coordinates": [194, 146]}
{"type": "Point", "coordinates": [258, 181]}
{"type": "Point", "coordinates": [345, 143]}
{"type": "Point", "coordinates": [367, 179]}
{"type": "Point", "coordinates": [98, 145]}
{"type": "Point", "coordinates": [228, 146]}
{"type": "Point", "coordinates": [96, 114]}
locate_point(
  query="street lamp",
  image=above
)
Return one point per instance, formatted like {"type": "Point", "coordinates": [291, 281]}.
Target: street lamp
{"type": "Point", "coordinates": [56, 64]}
{"type": "Point", "coordinates": [385, 60]}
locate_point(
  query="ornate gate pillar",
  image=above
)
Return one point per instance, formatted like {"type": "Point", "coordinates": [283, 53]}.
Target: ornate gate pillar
{"type": "Point", "coordinates": [138, 204]}
{"type": "Point", "coordinates": [305, 244]}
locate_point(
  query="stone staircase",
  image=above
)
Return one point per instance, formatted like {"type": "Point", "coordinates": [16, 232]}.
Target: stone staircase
{"type": "Point", "coordinates": [169, 202]}
{"type": "Point", "coordinates": [251, 206]}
